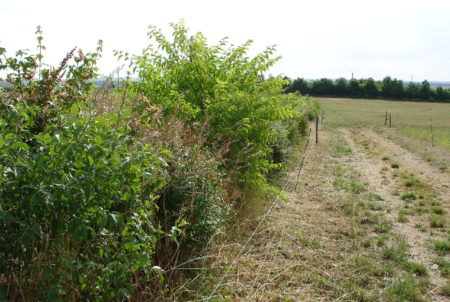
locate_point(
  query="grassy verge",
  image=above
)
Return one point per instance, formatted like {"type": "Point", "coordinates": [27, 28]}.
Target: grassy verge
{"type": "Point", "coordinates": [329, 240]}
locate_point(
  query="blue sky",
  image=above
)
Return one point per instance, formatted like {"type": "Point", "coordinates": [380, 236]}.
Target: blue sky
{"type": "Point", "coordinates": [315, 38]}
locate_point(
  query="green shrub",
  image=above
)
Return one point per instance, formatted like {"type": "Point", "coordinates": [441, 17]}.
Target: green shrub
{"type": "Point", "coordinates": [222, 86]}
{"type": "Point", "coordinates": [77, 192]}
{"type": "Point", "coordinates": [80, 201]}
{"type": "Point", "coordinates": [416, 268]}
{"type": "Point", "coordinates": [411, 181]}
{"type": "Point", "coordinates": [406, 289]}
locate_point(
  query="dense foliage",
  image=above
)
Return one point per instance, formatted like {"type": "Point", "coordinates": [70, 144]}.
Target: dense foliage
{"type": "Point", "coordinates": [388, 88]}
{"type": "Point", "coordinates": [104, 190]}
{"type": "Point", "coordinates": [222, 86]}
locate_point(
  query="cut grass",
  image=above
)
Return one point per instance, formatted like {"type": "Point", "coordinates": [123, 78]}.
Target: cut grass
{"type": "Point", "coordinates": [411, 130]}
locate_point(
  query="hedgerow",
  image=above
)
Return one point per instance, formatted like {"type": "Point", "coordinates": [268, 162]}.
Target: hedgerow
{"type": "Point", "coordinates": [221, 85]}
{"type": "Point", "coordinates": [100, 196]}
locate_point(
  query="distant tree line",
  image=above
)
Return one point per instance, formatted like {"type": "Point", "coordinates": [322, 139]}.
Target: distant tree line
{"type": "Point", "coordinates": [388, 88]}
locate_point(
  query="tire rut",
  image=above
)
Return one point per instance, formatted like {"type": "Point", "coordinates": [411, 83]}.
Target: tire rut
{"type": "Point", "coordinates": [418, 241]}
{"type": "Point", "coordinates": [438, 180]}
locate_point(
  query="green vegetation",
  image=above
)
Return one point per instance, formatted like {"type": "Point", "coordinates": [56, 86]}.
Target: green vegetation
{"type": "Point", "coordinates": [446, 290]}
{"type": "Point", "coordinates": [442, 247]}
{"type": "Point", "coordinates": [411, 123]}
{"type": "Point", "coordinates": [437, 221]}
{"type": "Point", "coordinates": [104, 191]}
{"type": "Point", "coordinates": [444, 266]}
{"type": "Point", "coordinates": [395, 165]}
{"type": "Point", "coordinates": [409, 196]}
{"type": "Point", "coordinates": [222, 86]}
{"type": "Point", "coordinates": [388, 88]}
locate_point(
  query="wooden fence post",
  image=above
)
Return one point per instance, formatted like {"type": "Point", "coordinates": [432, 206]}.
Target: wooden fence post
{"type": "Point", "coordinates": [385, 119]}
{"type": "Point", "coordinates": [317, 129]}
{"type": "Point", "coordinates": [390, 120]}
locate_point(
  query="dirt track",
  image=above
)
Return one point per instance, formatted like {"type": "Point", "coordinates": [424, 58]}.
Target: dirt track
{"type": "Point", "coordinates": [324, 243]}
{"type": "Point", "coordinates": [370, 168]}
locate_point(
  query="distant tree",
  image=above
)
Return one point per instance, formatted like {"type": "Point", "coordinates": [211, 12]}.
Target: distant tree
{"type": "Point", "coordinates": [398, 89]}
{"type": "Point", "coordinates": [287, 86]}
{"type": "Point", "coordinates": [354, 88]}
{"type": "Point", "coordinates": [389, 88]}
{"type": "Point", "coordinates": [341, 87]}
{"type": "Point", "coordinates": [440, 93]}
{"type": "Point", "coordinates": [425, 90]}
{"type": "Point", "coordinates": [323, 87]}
{"type": "Point", "coordinates": [300, 85]}
{"type": "Point", "coordinates": [386, 87]}
{"type": "Point", "coordinates": [412, 91]}
{"type": "Point", "coordinates": [369, 88]}
{"type": "Point", "coordinates": [447, 95]}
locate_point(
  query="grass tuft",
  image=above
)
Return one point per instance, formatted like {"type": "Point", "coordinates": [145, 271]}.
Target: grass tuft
{"type": "Point", "coordinates": [442, 247]}
{"type": "Point", "coordinates": [409, 196]}
{"type": "Point", "coordinates": [395, 165]}
{"type": "Point", "coordinates": [437, 221]}
{"type": "Point", "coordinates": [444, 266]}
{"type": "Point", "coordinates": [416, 268]}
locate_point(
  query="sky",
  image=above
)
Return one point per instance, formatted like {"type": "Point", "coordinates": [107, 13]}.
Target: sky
{"type": "Point", "coordinates": [316, 38]}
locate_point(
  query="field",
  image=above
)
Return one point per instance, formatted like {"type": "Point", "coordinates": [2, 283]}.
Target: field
{"type": "Point", "coordinates": [366, 219]}
{"type": "Point", "coordinates": [423, 128]}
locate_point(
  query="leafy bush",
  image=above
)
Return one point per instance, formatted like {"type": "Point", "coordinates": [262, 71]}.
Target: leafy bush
{"type": "Point", "coordinates": [95, 196]}
{"type": "Point", "coordinates": [77, 206]}
{"type": "Point", "coordinates": [77, 192]}
{"type": "Point", "coordinates": [222, 86]}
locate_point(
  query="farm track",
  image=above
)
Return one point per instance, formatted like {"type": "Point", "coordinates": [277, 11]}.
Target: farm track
{"type": "Point", "coordinates": [370, 166]}
{"type": "Point", "coordinates": [310, 249]}
{"type": "Point", "coordinates": [439, 180]}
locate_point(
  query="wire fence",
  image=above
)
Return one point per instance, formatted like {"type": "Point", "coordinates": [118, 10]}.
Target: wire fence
{"type": "Point", "coordinates": [298, 167]}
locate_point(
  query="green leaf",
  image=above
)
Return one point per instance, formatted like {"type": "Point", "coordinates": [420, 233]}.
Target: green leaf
{"type": "Point", "coordinates": [20, 145]}
{"type": "Point", "coordinates": [74, 110]}
{"type": "Point", "coordinates": [91, 161]}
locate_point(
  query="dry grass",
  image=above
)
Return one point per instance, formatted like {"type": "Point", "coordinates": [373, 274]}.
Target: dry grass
{"type": "Point", "coordinates": [321, 244]}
